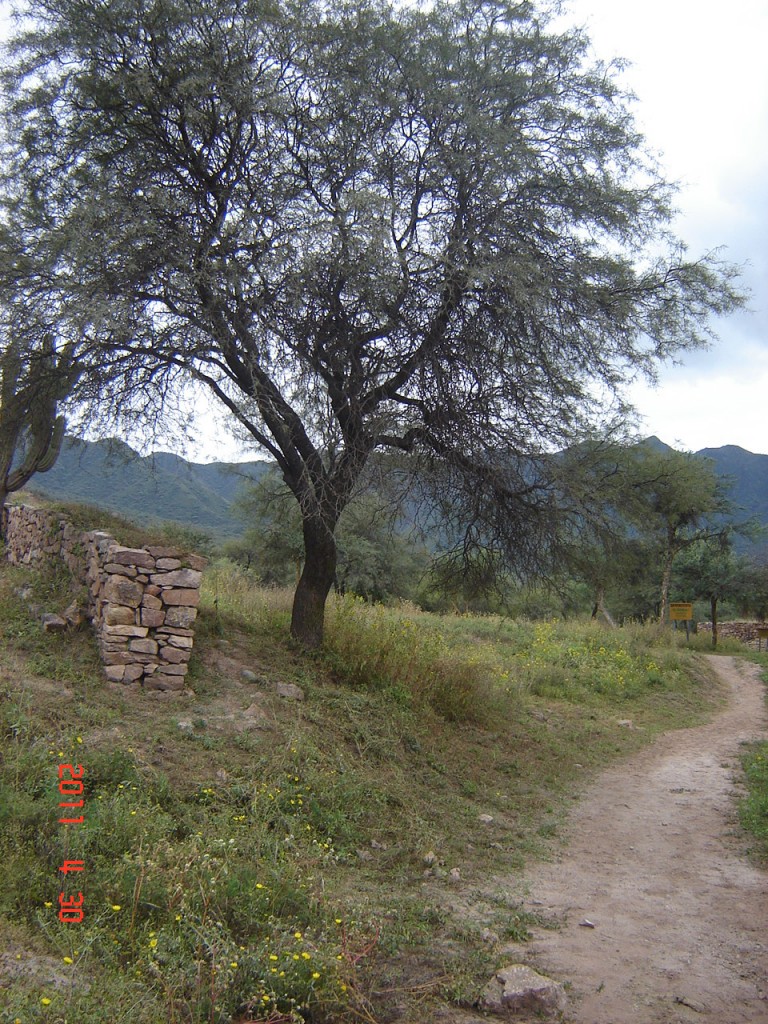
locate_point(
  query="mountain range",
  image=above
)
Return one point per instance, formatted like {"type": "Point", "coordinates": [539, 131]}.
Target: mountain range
{"type": "Point", "coordinates": [166, 487]}
{"type": "Point", "coordinates": [160, 487]}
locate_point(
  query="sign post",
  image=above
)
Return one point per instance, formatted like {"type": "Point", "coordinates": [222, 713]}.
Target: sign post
{"type": "Point", "coordinates": [681, 611]}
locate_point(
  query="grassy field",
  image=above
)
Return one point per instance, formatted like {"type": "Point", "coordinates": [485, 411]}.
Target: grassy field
{"type": "Point", "coordinates": [354, 855]}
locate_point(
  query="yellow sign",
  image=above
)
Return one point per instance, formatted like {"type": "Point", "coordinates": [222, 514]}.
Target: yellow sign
{"type": "Point", "coordinates": [680, 612]}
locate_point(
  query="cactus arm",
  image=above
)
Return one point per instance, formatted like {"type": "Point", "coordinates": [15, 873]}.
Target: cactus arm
{"type": "Point", "coordinates": [53, 450]}
{"type": "Point", "coordinates": [42, 453]}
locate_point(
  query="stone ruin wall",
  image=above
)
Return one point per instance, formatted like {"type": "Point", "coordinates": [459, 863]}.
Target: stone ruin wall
{"type": "Point", "coordinates": [142, 602]}
{"type": "Point", "coordinates": [746, 632]}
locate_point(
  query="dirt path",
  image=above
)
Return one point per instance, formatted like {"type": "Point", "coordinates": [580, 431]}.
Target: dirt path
{"type": "Point", "coordinates": [680, 917]}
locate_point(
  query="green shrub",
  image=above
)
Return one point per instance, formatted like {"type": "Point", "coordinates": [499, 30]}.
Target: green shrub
{"type": "Point", "coordinates": [754, 808]}
{"type": "Point", "coordinates": [386, 649]}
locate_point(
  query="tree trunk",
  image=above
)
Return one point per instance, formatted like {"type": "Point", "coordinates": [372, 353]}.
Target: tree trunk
{"type": "Point", "coordinates": [599, 606]}
{"type": "Point", "coordinates": [713, 608]}
{"type": "Point", "coordinates": [666, 579]}
{"type": "Point", "coordinates": [314, 584]}
{"type": "Point", "coordinates": [3, 512]}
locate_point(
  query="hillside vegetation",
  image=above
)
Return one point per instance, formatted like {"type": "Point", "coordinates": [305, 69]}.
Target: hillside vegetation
{"type": "Point", "coordinates": [250, 856]}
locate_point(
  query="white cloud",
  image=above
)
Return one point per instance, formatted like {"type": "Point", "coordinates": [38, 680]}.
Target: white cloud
{"type": "Point", "coordinates": [699, 75]}
{"type": "Point", "coordinates": [693, 411]}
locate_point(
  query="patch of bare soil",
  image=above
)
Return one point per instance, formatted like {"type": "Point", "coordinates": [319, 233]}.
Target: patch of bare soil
{"type": "Point", "coordinates": [655, 863]}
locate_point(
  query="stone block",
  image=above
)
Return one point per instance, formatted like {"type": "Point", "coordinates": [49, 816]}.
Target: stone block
{"type": "Point", "coordinates": [145, 646]}
{"type": "Point", "coordinates": [53, 623]}
{"type": "Point", "coordinates": [174, 670]}
{"type": "Point", "coordinates": [131, 556]}
{"type": "Point", "coordinates": [184, 642]}
{"type": "Point", "coordinates": [161, 681]}
{"type": "Point", "coordinates": [115, 673]}
{"type": "Point", "coordinates": [119, 590]}
{"type": "Point", "coordinates": [115, 569]}
{"type": "Point", "coordinates": [132, 673]}
{"type": "Point", "coordinates": [520, 989]}
{"type": "Point", "coordinates": [151, 601]}
{"type": "Point", "coordinates": [158, 551]}
{"type": "Point", "coordinates": [180, 616]}
{"type": "Point", "coordinates": [178, 578]}
{"type": "Point", "coordinates": [190, 598]}
{"type": "Point", "coordinates": [111, 632]}
{"type": "Point", "coordinates": [166, 564]}
{"type": "Point", "coordinates": [112, 648]}
{"type": "Point", "coordinates": [116, 658]}
{"type": "Point", "coordinates": [289, 691]}
{"type": "Point", "coordinates": [174, 655]}
{"type": "Point", "coordinates": [152, 617]}
{"type": "Point", "coordinates": [119, 615]}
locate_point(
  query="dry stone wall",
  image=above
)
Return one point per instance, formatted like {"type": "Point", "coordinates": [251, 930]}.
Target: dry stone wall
{"type": "Point", "coordinates": [750, 633]}
{"type": "Point", "coordinates": [142, 602]}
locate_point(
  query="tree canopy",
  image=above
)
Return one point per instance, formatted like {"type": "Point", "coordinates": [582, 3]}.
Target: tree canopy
{"type": "Point", "coordinates": [652, 503]}
{"type": "Point", "coordinates": [363, 228]}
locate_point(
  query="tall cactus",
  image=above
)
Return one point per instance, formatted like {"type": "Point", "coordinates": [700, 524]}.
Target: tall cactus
{"type": "Point", "coordinates": [31, 431]}
{"type": "Point", "coordinates": [40, 455]}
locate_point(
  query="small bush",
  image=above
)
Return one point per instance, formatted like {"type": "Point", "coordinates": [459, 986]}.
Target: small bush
{"type": "Point", "coordinates": [379, 648]}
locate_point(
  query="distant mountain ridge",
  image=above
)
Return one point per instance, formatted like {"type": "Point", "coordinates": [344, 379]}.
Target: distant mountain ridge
{"type": "Point", "coordinates": [166, 487]}
{"type": "Point", "coordinates": [157, 487]}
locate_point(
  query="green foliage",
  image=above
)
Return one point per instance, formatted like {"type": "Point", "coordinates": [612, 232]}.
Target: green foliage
{"type": "Point", "coordinates": [753, 810]}
{"type": "Point", "coordinates": [754, 597]}
{"type": "Point", "coordinates": [645, 505]}
{"type": "Point", "coordinates": [582, 662]}
{"type": "Point", "coordinates": [377, 558]}
{"type": "Point", "coordinates": [194, 898]}
{"type": "Point", "coordinates": [371, 646]}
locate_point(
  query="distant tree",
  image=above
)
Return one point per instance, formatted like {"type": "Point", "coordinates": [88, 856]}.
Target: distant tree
{"type": "Point", "coordinates": [364, 227]}
{"type": "Point", "coordinates": [272, 544]}
{"type": "Point", "coordinates": [754, 599]}
{"type": "Point", "coordinates": [710, 570]}
{"type": "Point", "coordinates": [643, 506]}
{"type": "Point", "coordinates": [677, 500]}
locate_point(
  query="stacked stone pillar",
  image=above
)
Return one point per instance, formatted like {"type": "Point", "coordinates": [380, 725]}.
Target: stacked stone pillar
{"type": "Point", "coordinates": [147, 602]}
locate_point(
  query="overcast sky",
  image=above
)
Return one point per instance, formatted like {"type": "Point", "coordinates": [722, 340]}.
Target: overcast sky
{"type": "Point", "coordinates": [700, 74]}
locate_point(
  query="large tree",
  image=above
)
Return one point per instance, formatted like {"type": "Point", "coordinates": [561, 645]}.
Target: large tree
{"type": "Point", "coordinates": [363, 227]}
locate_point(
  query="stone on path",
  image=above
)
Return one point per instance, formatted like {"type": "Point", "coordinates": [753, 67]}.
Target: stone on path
{"type": "Point", "coordinates": [53, 623]}
{"type": "Point", "coordinates": [289, 691]}
{"type": "Point", "coordinates": [519, 988]}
